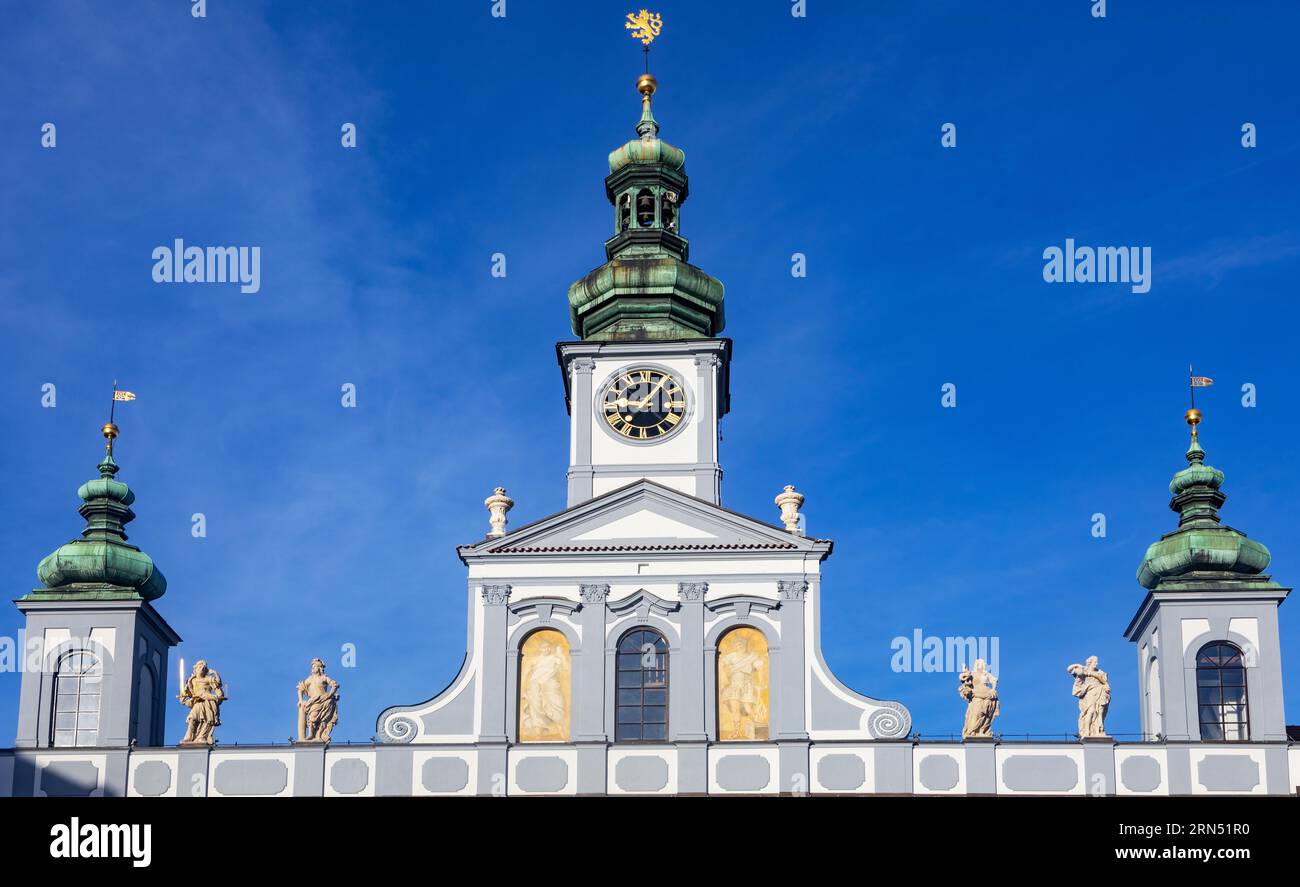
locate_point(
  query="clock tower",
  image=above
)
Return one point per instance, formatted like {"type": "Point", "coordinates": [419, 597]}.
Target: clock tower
{"type": "Point", "coordinates": [647, 384]}
{"type": "Point", "coordinates": [646, 640]}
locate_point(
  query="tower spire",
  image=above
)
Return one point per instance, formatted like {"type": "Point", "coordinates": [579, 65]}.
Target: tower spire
{"type": "Point", "coordinates": [1202, 543]}
{"type": "Point", "coordinates": [647, 127]}
{"type": "Point", "coordinates": [102, 559]}
{"type": "Point", "coordinates": [646, 290]}
{"type": "Point", "coordinates": [645, 26]}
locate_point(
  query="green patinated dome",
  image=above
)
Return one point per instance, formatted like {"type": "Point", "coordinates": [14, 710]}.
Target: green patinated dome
{"type": "Point", "coordinates": [648, 293]}
{"type": "Point", "coordinates": [649, 148]}
{"type": "Point", "coordinates": [647, 290]}
{"type": "Point", "coordinates": [652, 150]}
{"type": "Point", "coordinates": [1197, 473]}
{"type": "Point", "coordinates": [1201, 543]}
{"type": "Point", "coordinates": [102, 556]}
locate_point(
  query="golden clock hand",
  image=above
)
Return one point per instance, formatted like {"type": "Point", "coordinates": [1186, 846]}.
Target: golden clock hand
{"type": "Point", "coordinates": [653, 392]}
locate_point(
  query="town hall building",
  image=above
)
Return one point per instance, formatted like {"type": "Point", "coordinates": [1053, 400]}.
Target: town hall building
{"type": "Point", "coordinates": [647, 639]}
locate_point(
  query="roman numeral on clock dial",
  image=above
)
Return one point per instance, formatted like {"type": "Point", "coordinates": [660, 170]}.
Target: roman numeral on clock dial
{"type": "Point", "coordinates": [644, 403]}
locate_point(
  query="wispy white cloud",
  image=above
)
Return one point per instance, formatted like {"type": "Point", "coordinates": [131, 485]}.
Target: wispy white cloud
{"type": "Point", "coordinates": [1217, 260]}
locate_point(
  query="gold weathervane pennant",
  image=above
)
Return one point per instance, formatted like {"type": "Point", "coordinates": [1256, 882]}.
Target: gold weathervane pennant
{"type": "Point", "coordinates": [1194, 382]}
{"type": "Point", "coordinates": [110, 429]}
{"type": "Point", "coordinates": [644, 25]}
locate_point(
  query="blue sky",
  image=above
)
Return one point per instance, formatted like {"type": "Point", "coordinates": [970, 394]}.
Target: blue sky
{"type": "Point", "coordinates": [478, 135]}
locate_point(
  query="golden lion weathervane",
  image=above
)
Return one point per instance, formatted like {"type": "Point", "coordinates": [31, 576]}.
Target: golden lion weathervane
{"type": "Point", "coordinates": [645, 26]}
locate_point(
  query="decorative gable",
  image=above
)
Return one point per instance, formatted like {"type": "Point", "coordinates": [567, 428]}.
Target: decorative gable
{"type": "Point", "coordinates": [646, 523]}
{"type": "Point", "coordinates": [644, 516]}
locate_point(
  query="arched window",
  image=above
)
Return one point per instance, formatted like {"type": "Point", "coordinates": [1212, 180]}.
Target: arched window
{"type": "Point", "coordinates": [668, 210]}
{"type": "Point", "coordinates": [743, 685]}
{"type": "Point", "coordinates": [642, 687]}
{"type": "Point", "coordinates": [78, 681]}
{"type": "Point", "coordinates": [624, 212]}
{"type": "Point", "coordinates": [1155, 711]}
{"type": "Point", "coordinates": [645, 208]}
{"type": "Point", "coordinates": [144, 705]}
{"type": "Point", "coordinates": [1221, 692]}
{"type": "Point", "coordinates": [544, 687]}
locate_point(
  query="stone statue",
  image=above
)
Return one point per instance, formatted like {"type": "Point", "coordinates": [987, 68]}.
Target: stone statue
{"type": "Point", "coordinates": [980, 690]}
{"type": "Point", "coordinates": [319, 711]}
{"type": "Point", "coordinates": [202, 693]}
{"type": "Point", "coordinates": [1092, 689]}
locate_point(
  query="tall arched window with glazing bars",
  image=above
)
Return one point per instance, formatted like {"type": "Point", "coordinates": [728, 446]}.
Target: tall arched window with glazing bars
{"type": "Point", "coordinates": [642, 687]}
{"type": "Point", "coordinates": [1221, 692]}
{"type": "Point", "coordinates": [78, 682]}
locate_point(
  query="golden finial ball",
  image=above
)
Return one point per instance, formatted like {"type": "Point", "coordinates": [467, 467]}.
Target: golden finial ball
{"type": "Point", "coordinates": [1193, 417]}
{"type": "Point", "coordinates": [646, 84]}
{"type": "Point", "coordinates": [109, 430]}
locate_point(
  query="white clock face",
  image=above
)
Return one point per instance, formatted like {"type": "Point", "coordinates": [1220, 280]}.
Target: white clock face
{"type": "Point", "coordinates": [643, 403]}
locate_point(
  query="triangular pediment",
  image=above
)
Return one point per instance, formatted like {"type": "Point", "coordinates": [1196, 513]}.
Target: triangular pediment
{"type": "Point", "coordinates": [645, 523]}
{"type": "Point", "coordinates": [644, 516]}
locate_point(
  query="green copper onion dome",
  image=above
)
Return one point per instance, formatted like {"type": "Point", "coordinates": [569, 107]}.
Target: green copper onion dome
{"type": "Point", "coordinates": [647, 290]}
{"type": "Point", "coordinates": [649, 148]}
{"type": "Point", "coordinates": [102, 556]}
{"type": "Point", "coordinates": [1201, 543]}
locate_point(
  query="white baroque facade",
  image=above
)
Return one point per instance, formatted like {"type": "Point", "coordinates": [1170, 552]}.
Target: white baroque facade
{"type": "Point", "coordinates": [647, 640]}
